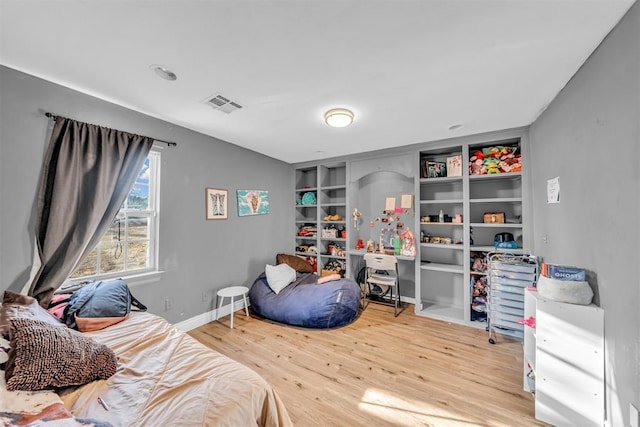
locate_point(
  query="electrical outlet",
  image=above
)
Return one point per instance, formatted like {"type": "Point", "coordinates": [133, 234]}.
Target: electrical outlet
{"type": "Point", "coordinates": [634, 416]}
{"type": "Point", "coordinates": [168, 304]}
{"type": "Point", "coordinates": [545, 238]}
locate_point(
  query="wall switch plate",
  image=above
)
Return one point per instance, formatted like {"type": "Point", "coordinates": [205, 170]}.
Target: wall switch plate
{"type": "Point", "coordinates": [634, 416]}
{"type": "Point", "coordinates": [168, 304]}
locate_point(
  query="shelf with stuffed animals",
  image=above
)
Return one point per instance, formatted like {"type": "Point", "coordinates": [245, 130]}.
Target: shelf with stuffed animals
{"type": "Point", "coordinates": [495, 159]}
{"type": "Point", "coordinates": [481, 181]}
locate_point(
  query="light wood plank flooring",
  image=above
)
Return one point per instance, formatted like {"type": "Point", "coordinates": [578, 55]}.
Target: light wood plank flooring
{"type": "Point", "coordinates": [381, 370]}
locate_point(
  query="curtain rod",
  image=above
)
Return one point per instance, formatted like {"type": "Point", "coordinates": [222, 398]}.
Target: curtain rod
{"type": "Point", "coordinates": [169, 143]}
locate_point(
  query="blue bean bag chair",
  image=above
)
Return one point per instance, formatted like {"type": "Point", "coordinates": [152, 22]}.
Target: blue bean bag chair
{"type": "Point", "coordinates": [306, 303]}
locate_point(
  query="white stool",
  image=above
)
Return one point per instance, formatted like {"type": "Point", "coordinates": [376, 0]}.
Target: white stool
{"type": "Point", "coordinates": [233, 291]}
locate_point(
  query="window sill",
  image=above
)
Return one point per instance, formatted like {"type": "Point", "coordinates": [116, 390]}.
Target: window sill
{"type": "Point", "coordinates": [143, 278]}
{"type": "Point", "coordinates": [132, 280]}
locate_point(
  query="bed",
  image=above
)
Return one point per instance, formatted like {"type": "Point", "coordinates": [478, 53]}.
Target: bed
{"type": "Point", "coordinates": [163, 377]}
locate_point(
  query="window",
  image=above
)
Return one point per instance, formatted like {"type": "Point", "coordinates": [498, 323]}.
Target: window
{"type": "Point", "coordinates": [130, 244]}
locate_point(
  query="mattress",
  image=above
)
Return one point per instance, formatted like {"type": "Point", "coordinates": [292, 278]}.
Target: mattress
{"type": "Point", "coordinates": [165, 377]}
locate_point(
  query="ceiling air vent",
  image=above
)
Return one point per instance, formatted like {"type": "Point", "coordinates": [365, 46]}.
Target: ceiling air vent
{"type": "Point", "coordinates": [222, 103]}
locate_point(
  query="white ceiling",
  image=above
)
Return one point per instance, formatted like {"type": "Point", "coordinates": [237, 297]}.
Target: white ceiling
{"type": "Point", "coordinates": [407, 69]}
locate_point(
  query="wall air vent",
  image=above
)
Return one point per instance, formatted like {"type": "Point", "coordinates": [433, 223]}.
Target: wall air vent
{"type": "Point", "coordinates": [222, 103]}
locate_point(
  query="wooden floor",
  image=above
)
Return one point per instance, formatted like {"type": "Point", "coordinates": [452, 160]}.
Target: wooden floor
{"type": "Point", "coordinates": [382, 371]}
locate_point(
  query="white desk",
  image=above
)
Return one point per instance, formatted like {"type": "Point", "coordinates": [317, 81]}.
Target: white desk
{"type": "Point", "coordinates": [361, 252]}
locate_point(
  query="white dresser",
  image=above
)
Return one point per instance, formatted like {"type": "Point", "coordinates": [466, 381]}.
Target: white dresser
{"type": "Point", "coordinates": [564, 361]}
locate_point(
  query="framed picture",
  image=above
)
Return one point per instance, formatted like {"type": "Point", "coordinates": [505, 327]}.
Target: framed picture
{"type": "Point", "coordinates": [216, 203]}
{"type": "Point", "coordinates": [252, 202]}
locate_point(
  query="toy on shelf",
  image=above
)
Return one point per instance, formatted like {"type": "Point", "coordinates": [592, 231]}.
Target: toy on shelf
{"type": "Point", "coordinates": [356, 218]}
{"type": "Point", "coordinates": [308, 198]}
{"type": "Point", "coordinates": [495, 160]}
{"type": "Point", "coordinates": [333, 267]}
{"type": "Point", "coordinates": [313, 262]}
{"type": "Point", "coordinates": [479, 286]}
{"type": "Point", "coordinates": [307, 230]}
{"type": "Point", "coordinates": [336, 217]}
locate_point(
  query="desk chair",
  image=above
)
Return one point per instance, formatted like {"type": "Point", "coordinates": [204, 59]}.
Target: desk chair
{"type": "Point", "coordinates": [382, 270]}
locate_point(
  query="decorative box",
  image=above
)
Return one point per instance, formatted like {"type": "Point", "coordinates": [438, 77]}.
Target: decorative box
{"type": "Point", "coordinates": [454, 165]}
{"type": "Point", "coordinates": [436, 169]}
{"type": "Point", "coordinates": [329, 233]}
{"type": "Point", "coordinates": [493, 218]}
{"type": "Point", "coordinates": [432, 169]}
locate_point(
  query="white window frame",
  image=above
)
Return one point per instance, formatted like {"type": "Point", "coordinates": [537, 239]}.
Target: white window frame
{"type": "Point", "coordinates": [153, 216]}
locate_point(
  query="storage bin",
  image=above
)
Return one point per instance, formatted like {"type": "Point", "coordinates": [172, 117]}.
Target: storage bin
{"type": "Point", "coordinates": [524, 277]}
{"type": "Point", "coordinates": [499, 298]}
{"type": "Point", "coordinates": [519, 268]}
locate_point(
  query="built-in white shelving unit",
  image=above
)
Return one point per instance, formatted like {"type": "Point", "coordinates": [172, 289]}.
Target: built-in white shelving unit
{"type": "Point", "coordinates": [306, 214]}
{"type": "Point", "coordinates": [444, 276]}
{"type": "Point", "coordinates": [440, 275]}
{"type": "Point", "coordinates": [328, 184]}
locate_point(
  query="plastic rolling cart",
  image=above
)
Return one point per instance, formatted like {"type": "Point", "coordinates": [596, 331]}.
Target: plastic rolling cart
{"type": "Point", "coordinates": [508, 276]}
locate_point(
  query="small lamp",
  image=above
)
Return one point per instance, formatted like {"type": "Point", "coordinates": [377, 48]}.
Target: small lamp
{"type": "Point", "coordinates": [338, 117]}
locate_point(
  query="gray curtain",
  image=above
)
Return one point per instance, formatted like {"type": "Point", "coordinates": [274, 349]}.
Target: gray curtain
{"type": "Point", "coordinates": [87, 173]}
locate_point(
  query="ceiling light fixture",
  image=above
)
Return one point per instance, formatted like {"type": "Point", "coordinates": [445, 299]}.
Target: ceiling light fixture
{"type": "Point", "coordinates": [338, 117]}
{"type": "Point", "coordinates": [163, 72]}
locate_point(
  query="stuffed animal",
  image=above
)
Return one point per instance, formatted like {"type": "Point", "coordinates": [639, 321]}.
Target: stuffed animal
{"type": "Point", "coordinates": [493, 152]}
{"type": "Point", "coordinates": [313, 262]}
{"type": "Point", "coordinates": [493, 165]}
{"type": "Point", "coordinates": [478, 154]}
{"type": "Point", "coordinates": [309, 198]}
{"type": "Point", "coordinates": [495, 160]}
{"type": "Point", "coordinates": [477, 168]}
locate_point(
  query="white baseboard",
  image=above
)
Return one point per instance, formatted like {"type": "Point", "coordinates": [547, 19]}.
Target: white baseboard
{"type": "Point", "coordinates": [209, 316]}
{"type": "Point", "coordinates": [409, 300]}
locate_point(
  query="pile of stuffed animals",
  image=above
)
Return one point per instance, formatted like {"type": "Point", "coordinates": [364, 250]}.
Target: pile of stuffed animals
{"type": "Point", "coordinates": [492, 160]}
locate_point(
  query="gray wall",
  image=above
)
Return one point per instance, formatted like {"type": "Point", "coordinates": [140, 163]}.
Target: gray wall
{"type": "Point", "coordinates": [589, 137]}
{"type": "Point", "coordinates": [197, 255]}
